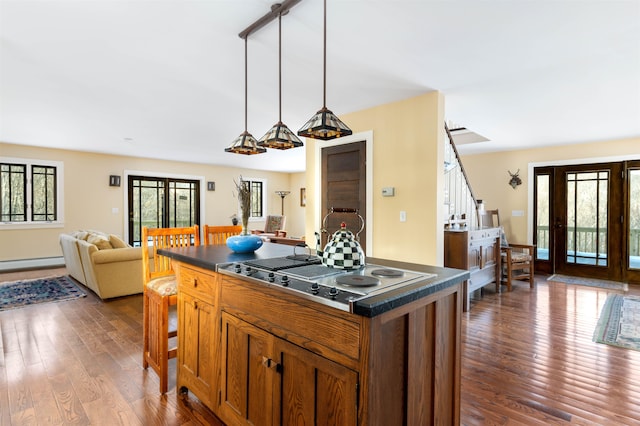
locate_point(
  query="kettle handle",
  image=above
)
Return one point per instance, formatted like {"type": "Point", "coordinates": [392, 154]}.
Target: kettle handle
{"type": "Point", "coordinates": [343, 210]}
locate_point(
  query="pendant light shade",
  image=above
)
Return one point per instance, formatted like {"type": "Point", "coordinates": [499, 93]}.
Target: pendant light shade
{"type": "Point", "coordinates": [324, 124]}
{"type": "Point", "coordinates": [245, 143]}
{"type": "Point", "coordinates": [279, 136]}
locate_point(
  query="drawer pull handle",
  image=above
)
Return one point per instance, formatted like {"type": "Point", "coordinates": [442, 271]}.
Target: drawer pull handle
{"type": "Point", "coordinates": [195, 304]}
{"type": "Point", "coordinates": [195, 282]}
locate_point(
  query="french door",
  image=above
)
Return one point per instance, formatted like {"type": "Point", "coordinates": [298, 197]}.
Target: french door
{"type": "Point", "coordinates": [587, 220]}
{"type": "Point", "coordinates": [161, 203]}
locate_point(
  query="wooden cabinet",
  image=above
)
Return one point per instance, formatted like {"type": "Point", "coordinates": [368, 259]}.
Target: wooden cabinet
{"type": "Point", "coordinates": [197, 335]}
{"type": "Point", "coordinates": [268, 381]}
{"type": "Point", "coordinates": [478, 251]}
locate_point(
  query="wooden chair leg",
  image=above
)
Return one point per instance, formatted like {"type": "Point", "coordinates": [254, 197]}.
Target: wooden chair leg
{"type": "Point", "coordinates": [145, 330]}
{"type": "Point", "coordinates": [531, 274]}
{"type": "Point", "coordinates": [163, 337]}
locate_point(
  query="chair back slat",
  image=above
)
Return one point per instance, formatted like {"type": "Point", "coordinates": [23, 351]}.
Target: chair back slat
{"type": "Point", "coordinates": [219, 234]}
{"type": "Point", "coordinates": [154, 239]}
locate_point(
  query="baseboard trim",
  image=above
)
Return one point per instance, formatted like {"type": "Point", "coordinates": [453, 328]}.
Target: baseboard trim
{"type": "Point", "coordinates": [19, 265]}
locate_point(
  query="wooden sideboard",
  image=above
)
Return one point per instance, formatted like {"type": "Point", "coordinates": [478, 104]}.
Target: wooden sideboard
{"type": "Point", "coordinates": [478, 251]}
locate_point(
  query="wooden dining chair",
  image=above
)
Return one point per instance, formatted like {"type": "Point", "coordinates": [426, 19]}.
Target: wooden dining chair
{"type": "Point", "coordinates": [160, 292]}
{"type": "Point", "coordinates": [219, 234]}
{"type": "Point", "coordinates": [517, 259]}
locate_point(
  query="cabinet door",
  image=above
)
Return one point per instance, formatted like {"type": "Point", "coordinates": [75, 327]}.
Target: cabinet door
{"type": "Point", "coordinates": [196, 345]}
{"type": "Point", "coordinates": [314, 390]}
{"type": "Point", "coordinates": [248, 371]}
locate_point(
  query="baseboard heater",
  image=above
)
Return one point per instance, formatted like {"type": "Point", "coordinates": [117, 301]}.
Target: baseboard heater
{"type": "Point", "coordinates": [22, 264]}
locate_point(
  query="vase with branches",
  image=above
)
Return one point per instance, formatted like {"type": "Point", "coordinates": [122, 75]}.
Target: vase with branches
{"type": "Point", "coordinates": [245, 242]}
{"type": "Point", "coordinates": [243, 192]}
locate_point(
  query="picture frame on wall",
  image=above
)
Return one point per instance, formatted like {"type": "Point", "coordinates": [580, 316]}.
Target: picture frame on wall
{"type": "Point", "coordinates": [303, 197]}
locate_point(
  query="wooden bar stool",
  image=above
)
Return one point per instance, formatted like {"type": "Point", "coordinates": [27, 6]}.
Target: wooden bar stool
{"type": "Point", "coordinates": [219, 234]}
{"type": "Point", "coordinates": [160, 292]}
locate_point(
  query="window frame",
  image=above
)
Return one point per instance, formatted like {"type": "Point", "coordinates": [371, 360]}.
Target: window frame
{"type": "Point", "coordinates": [30, 163]}
{"type": "Point", "coordinates": [263, 182]}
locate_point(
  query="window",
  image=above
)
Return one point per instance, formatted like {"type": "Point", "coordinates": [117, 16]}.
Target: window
{"type": "Point", "coordinates": [30, 192]}
{"type": "Point", "coordinates": [258, 188]}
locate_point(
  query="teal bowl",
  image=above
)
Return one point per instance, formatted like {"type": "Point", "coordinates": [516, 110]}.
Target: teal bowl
{"type": "Point", "coordinates": [244, 243]}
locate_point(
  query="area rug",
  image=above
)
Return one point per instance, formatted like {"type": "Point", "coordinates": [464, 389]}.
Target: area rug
{"type": "Point", "coordinates": [591, 282]}
{"type": "Point", "coordinates": [619, 322]}
{"type": "Point", "coordinates": [16, 294]}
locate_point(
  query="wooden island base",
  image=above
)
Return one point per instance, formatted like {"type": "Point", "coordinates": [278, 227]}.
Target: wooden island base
{"type": "Point", "coordinates": [256, 355]}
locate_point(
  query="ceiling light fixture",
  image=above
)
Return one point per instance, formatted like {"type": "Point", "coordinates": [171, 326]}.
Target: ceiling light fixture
{"type": "Point", "coordinates": [279, 136]}
{"type": "Point", "coordinates": [245, 143]}
{"type": "Point", "coordinates": [324, 124]}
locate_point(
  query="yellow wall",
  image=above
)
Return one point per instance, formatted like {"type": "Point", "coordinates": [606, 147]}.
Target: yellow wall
{"type": "Point", "coordinates": [408, 154]}
{"type": "Point", "coordinates": [489, 176]}
{"type": "Point", "coordinates": [88, 200]}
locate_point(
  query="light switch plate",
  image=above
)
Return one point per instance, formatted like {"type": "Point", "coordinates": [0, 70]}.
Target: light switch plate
{"type": "Point", "coordinates": [517, 213]}
{"type": "Point", "coordinates": [389, 191]}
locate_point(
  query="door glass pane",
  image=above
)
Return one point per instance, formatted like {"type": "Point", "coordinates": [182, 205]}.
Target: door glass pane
{"type": "Point", "coordinates": [542, 214]}
{"type": "Point", "coordinates": [587, 217]}
{"type": "Point", "coordinates": [182, 204]}
{"type": "Point", "coordinates": [634, 219]}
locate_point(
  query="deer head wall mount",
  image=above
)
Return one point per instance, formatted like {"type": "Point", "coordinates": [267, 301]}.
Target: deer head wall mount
{"type": "Point", "coordinates": [515, 179]}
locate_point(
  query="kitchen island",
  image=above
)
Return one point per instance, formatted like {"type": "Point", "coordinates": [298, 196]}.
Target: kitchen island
{"type": "Point", "coordinates": [256, 354]}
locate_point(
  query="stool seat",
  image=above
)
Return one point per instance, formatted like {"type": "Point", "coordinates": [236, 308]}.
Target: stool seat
{"type": "Point", "coordinates": [164, 286]}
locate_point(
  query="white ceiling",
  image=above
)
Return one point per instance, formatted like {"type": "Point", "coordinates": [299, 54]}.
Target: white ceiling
{"type": "Point", "coordinates": [165, 79]}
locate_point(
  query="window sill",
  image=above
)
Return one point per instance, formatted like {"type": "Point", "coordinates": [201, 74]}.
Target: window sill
{"type": "Point", "coordinates": [10, 226]}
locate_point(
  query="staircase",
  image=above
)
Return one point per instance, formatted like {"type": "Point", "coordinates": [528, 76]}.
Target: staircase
{"type": "Point", "coordinates": [460, 203]}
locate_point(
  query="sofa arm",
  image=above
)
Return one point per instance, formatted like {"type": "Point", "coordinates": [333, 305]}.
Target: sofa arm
{"type": "Point", "coordinates": [116, 255]}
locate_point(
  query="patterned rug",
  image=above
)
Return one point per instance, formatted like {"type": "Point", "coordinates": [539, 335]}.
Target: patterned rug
{"type": "Point", "coordinates": [591, 282]}
{"type": "Point", "coordinates": [619, 322]}
{"type": "Point", "coordinates": [17, 294]}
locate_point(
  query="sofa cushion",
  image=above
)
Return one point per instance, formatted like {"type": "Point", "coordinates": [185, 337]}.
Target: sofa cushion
{"type": "Point", "coordinates": [117, 242]}
{"type": "Point", "coordinates": [100, 241]}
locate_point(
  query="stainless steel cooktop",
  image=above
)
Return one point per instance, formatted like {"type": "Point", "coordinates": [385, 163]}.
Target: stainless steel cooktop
{"type": "Point", "coordinates": [307, 277]}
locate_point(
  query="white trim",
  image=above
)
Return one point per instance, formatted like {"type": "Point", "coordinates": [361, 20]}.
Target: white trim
{"type": "Point", "coordinates": [577, 161]}
{"type": "Point", "coordinates": [367, 137]}
{"type": "Point", "coordinates": [45, 262]}
{"type": "Point", "coordinates": [30, 162]}
{"type": "Point", "coordinates": [164, 175]}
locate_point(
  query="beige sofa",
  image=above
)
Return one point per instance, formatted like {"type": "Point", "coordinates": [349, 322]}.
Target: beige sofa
{"type": "Point", "coordinates": [104, 263]}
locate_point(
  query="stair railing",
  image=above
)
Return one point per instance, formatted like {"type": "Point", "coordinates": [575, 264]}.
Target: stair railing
{"type": "Point", "coordinates": [461, 206]}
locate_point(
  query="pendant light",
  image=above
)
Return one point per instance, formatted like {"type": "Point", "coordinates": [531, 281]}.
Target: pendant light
{"type": "Point", "coordinates": [324, 124]}
{"type": "Point", "coordinates": [279, 136]}
{"type": "Point", "coordinates": [245, 143]}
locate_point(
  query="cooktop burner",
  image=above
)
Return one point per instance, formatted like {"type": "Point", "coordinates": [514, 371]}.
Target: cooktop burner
{"type": "Point", "coordinates": [387, 273]}
{"type": "Point", "coordinates": [357, 280]}
{"type": "Point", "coordinates": [279, 263]}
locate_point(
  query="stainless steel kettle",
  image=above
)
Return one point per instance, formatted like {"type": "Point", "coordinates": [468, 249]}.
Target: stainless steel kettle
{"type": "Point", "coordinates": [343, 251]}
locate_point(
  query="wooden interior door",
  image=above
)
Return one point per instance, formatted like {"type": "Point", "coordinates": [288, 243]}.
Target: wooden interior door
{"type": "Point", "coordinates": [344, 185]}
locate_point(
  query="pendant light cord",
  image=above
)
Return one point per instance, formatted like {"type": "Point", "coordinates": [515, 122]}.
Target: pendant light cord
{"type": "Point", "coordinates": [245, 84]}
{"type": "Point", "coordinates": [280, 67]}
{"type": "Point", "coordinates": [324, 78]}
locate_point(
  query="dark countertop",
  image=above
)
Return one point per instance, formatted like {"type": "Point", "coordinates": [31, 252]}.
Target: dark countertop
{"type": "Point", "coordinates": [208, 257]}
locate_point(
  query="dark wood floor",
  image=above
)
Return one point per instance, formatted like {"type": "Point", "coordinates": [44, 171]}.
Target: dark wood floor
{"type": "Point", "coordinates": [528, 359]}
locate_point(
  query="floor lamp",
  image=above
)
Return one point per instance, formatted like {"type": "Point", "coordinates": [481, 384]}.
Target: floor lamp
{"type": "Point", "coordinates": [283, 194]}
